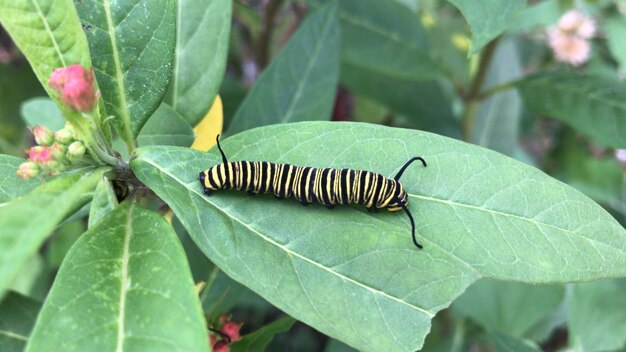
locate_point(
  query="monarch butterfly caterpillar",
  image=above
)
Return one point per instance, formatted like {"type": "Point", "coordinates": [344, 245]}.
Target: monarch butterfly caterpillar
{"type": "Point", "coordinates": [307, 184]}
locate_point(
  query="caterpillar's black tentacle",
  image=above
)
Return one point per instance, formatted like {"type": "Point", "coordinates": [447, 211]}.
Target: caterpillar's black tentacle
{"type": "Point", "coordinates": [406, 210]}
{"type": "Point", "coordinates": [326, 186]}
{"type": "Point", "coordinates": [399, 174]}
{"type": "Point", "coordinates": [220, 148]}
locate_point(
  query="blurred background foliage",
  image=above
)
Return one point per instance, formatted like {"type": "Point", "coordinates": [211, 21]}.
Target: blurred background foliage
{"type": "Point", "coordinates": [442, 95]}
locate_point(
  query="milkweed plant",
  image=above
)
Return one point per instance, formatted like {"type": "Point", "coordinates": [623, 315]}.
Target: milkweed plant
{"type": "Point", "coordinates": [110, 111]}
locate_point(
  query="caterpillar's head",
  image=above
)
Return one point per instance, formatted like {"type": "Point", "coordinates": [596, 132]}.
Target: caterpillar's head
{"type": "Point", "coordinates": [400, 199]}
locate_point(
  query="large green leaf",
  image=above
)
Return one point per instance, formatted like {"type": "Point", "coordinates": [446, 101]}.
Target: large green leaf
{"type": "Point", "coordinates": [258, 340]}
{"type": "Point", "coordinates": [596, 317]}
{"type": "Point", "coordinates": [509, 307]}
{"type": "Point", "coordinates": [497, 121]}
{"type": "Point", "coordinates": [104, 200]}
{"type": "Point", "coordinates": [48, 32]}
{"type": "Point", "coordinates": [299, 84]}
{"type": "Point", "coordinates": [17, 317]}
{"type": "Point", "coordinates": [132, 48]}
{"type": "Point", "coordinates": [11, 186]}
{"type": "Point", "coordinates": [202, 33]}
{"type": "Point", "coordinates": [355, 275]}
{"type": "Point", "coordinates": [384, 38]}
{"type": "Point", "coordinates": [125, 285]}
{"type": "Point", "coordinates": [42, 111]}
{"type": "Point", "coordinates": [488, 18]}
{"type": "Point", "coordinates": [594, 106]}
{"type": "Point", "coordinates": [27, 221]}
{"type": "Point", "coordinates": [385, 57]}
{"type": "Point", "coordinates": [424, 102]}
{"type": "Point", "coordinates": [615, 32]}
{"type": "Point", "coordinates": [166, 127]}
{"type": "Point", "coordinates": [507, 343]}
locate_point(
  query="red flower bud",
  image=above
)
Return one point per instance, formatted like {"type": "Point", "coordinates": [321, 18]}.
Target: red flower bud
{"type": "Point", "coordinates": [40, 154]}
{"type": "Point", "coordinates": [231, 330]}
{"type": "Point", "coordinates": [27, 170]}
{"type": "Point", "coordinates": [76, 86]}
{"type": "Point", "coordinates": [221, 346]}
{"type": "Point", "coordinates": [43, 135]}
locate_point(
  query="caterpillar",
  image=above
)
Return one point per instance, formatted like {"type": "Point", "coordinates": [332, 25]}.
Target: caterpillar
{"type": "Point", "coordinates": [327, 186]}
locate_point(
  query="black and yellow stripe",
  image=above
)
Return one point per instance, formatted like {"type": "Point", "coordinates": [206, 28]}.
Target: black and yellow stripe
{"type": "Point", "coordinates": [327, 186]}
{"type": "Point", "coordinates": [306, 184]}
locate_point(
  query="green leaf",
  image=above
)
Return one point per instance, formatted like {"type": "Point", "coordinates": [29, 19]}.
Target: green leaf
{"type": "Point", "coordinates": [593, 106]}
{"type": "Point", "coordinates": [615, 32]}
{"type": "Point", "coordinates": [201, 48]}
{"type": "Point", "coordinates": [385, 57]}
{"type": "Point", "coordinates": [596, 317]}
{"type": "Point", "coordinates": [61, 242]}
{"type": "Point", "coordinates": [199, 264]}
{"type": "Point", "coordinates": [541, 14]}
{"type": "Point", "coordinates": [11, 185]}
{"type": "Point", "coordinates": [103, 202]}
{"type": "Point", "coordinates": [221, 293]}
{"type": "Point", "coordinates": [509, 307]}
{"type": "Point", "coordinates": [488, 18]}
{"type": "Point", "coordinates": [429, 107]}
{"type": "Point", "coordinates": [49, 34]}
{"type": "Point", "coordinates": [299, 84]}
{"type": "Point", "coordinates": [124, 285]}
{"type": "Point", "coordinates": [497, 120]}
{"type": "Point", "coordinates": [258, 340]}
{"type": "Point", "coordinates": [507, 343]}
{"type": "Point", "coordinates": [166, 127]}
{"type": "Point", "coordinates": [42, 111]}
{"type": "Point", "coordinates": [132, 46]}
{"type": "Point", "coordinates": [384, 38]}
{"type": "Point", "coordinates": [18, 317]}
{"type": "Point", "coordinates": [27, 221]}
{"type": "Point", "coordinates": [356, 276]}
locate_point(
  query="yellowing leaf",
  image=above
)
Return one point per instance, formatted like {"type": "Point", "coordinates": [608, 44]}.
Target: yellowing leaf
{"type": "Point", "coordinates": [210, 126]}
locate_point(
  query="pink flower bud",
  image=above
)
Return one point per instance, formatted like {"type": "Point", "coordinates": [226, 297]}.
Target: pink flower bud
{"type": "Point", "coordinates": [27, 170]}
{"type": "Point", "coordinates": [58, 151]}
{"type": "Point", "coordinates": [40, 154]}
{"type": "Point", "coordinates": [76, 150]}
{"type": "Point", "coordinates": [76, 85]}
{"type": "Point", "coordinates": [43, 135]}
{"type": "Point", "coordinates": [221, 346]}
{"type": "Point", "coordinates": [231, 330]}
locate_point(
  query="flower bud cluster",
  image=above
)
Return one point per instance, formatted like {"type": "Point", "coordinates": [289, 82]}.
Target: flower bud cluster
{"type": "Point", "coordinates": [570, 38]}
{"type": "Point", "coordinates": [54, 152]}
{"type": "Point", "coordinates": [227, 334]}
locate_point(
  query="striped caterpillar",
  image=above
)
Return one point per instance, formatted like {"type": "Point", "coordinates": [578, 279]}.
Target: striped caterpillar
{"type": "Point", "coordinates": [327, 186]}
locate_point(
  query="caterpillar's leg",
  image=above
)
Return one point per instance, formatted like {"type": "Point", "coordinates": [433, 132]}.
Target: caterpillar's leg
{"type": "Point", "coordinates": [330, 206]}
{"type": "Point", "coordinates": [207, 191]}
{"type": "Point", "coordinates": [251, 192]}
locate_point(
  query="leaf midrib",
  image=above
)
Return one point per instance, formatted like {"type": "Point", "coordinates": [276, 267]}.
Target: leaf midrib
{"type": "Point", "coordinates": [49, 31]}
{"type": "Point", "coordinates": [124, 281]}
{"type": "Point", "coordinates": [123, 107]}
{"type": "Point", "coordinates": [291, 252]}
{"type": "Point", "coordinates": [516, 216]}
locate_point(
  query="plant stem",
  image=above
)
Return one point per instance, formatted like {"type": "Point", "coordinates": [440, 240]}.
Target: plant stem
{"type": "Point", "coordinates": [271, 9]}
{"type": "Point", "coordinates": [473, 97]}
